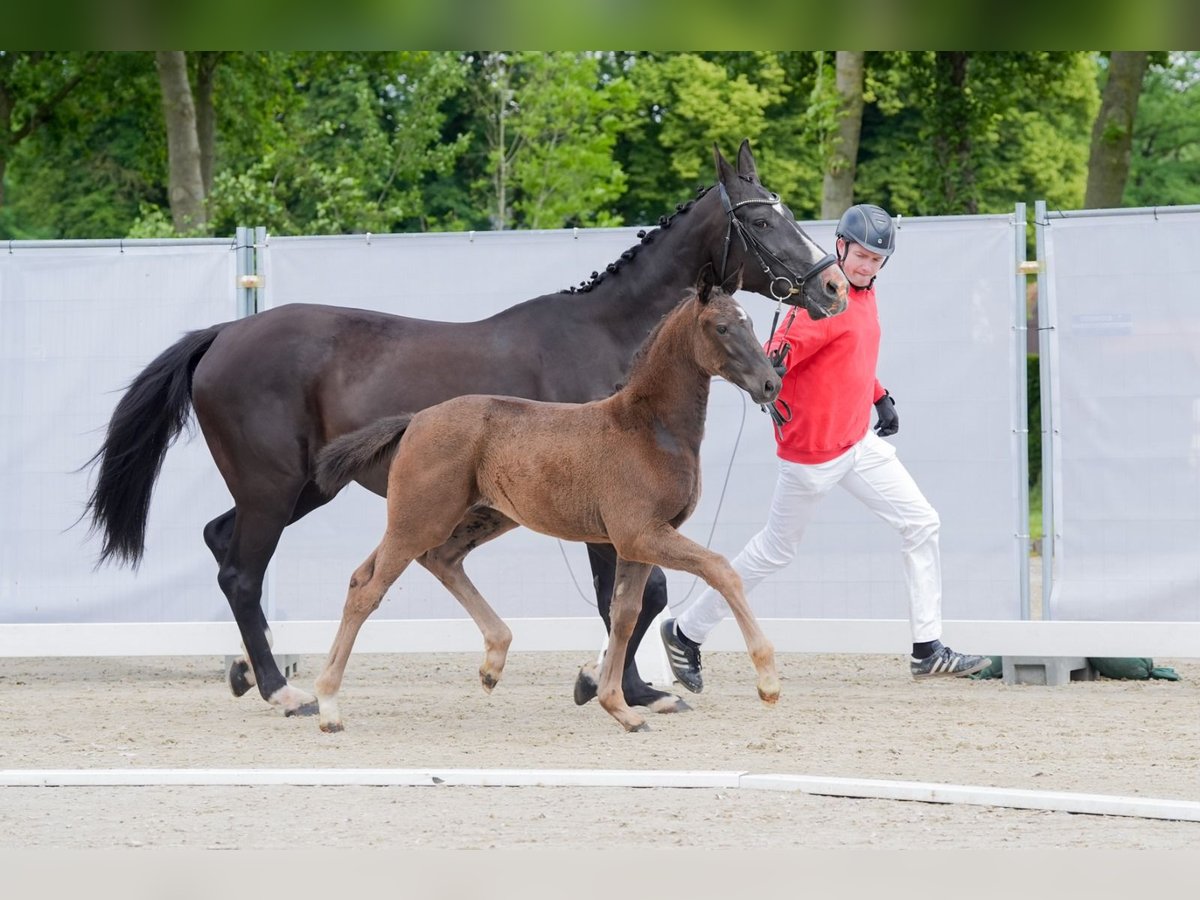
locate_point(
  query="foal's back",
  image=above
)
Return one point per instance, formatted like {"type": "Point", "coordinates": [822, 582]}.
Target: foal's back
{"type": "Point", "coordinates": [573, 471]}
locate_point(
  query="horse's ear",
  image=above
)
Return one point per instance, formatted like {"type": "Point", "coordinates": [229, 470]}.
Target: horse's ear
{"type": "Point", "coordinates": [746, 164]}
{"type": "Point", "coordinates": [705, 282]}
{"type": "Point", "coordinates": [732, 283]}
{"type": "Point", "coordinates": [725, 173]}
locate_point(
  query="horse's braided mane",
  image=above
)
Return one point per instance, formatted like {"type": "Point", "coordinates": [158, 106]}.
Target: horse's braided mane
{"type": "Point", "coordinates": [645, 238]}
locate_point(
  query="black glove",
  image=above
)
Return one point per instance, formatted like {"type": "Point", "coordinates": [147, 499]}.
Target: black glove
{"type": "Point", "coordinates": [777, 356]}
{"type": "Point", "coordinates": [888, 421]}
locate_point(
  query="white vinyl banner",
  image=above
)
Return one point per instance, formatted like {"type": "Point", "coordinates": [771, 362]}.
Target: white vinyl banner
{"type": "Point", "coordinates": [950, 350]}
{"type": "Point", "coordinates": [1124, 351]}
{"type": "Point", "coordinates": [77, 324]}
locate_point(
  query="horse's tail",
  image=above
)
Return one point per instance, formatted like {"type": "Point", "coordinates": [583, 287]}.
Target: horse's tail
{"type": "Point", "coordinates": [145, 423]}
{"type": "Point", "coordinates": [343, 459]}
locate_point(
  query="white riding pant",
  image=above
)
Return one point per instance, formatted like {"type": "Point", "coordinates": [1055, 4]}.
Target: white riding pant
{"type": "Point", "coordinates": [871, 472]}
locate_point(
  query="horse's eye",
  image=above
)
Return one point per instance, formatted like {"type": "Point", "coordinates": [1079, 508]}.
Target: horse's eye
{"type": "Point", "coordinates": [721, 329]}
{"type": "Point", "coordinates": [760, 223]}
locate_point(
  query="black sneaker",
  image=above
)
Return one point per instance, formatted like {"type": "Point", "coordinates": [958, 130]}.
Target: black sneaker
{"type": "Point", "coordinates": [945, 662]}
{"type": "Point", "coordinates": [683, 656]}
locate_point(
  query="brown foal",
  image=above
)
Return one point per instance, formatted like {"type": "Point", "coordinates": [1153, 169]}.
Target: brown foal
{"type": "Point", "coordinates": [623, 470]}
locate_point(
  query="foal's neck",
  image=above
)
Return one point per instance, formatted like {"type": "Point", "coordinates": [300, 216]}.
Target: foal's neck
{"type": "Point", "coordinates": [666, 385]}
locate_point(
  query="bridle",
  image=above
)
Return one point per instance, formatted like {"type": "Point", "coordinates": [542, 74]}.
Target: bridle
{"type": "Point", "coordinates": [781, 286]}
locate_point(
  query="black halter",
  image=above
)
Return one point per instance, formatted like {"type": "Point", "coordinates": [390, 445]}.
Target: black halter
{"type": "Point", "coordinates": [781, 286]}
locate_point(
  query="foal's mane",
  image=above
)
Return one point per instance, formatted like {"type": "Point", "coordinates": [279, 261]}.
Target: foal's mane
{"type": "Point", "coordinates": [639, 358]}
{"type": "Point", "coordinates": [646, 238]}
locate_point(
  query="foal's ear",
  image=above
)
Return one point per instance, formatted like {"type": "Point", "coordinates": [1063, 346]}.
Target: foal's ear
{"type": "Point", "coordinates": [732, 283]}
{"type": "Point", "coordinates": [705, 282]}
{"type": "Point", "coordinates": [725, 173]}
{"type": "Point", "coordinates": [746, 164]}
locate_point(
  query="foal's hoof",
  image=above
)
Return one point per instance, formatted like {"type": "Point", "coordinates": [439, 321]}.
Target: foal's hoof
{"type": "Point", "coordinates": [306, 709]}
{"type": "Point", "coordinates": [768, 696]}
{"type": "Point", "coordinates": [585, 684]}
{"type": "Point", "coordinates": [332, 727]}
{"type": "Point", "coordinates": [239, 683]}
{"type": "Point", "coordinates": [668, 703]}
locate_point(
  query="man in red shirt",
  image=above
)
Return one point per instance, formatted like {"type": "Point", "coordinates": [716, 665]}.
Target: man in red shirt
{"type": "Point", "coordinates": [829, 388]}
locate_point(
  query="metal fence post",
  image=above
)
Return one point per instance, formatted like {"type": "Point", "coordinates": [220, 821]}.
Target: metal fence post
{"type": "Point", "coordinates": [1046, 320]}
{"type": "Point", "coordinates": [1021, 405]}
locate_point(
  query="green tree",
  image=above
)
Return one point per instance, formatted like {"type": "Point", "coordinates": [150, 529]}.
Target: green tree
{"type": "Point", "coordinates": [1165, 165]}
{"type": "Point", "coordinates": [549, 123]}
{"type": "Point", "coordinates": [86, 170]}
{"type": "Point", "coordinates": [989, 129]}
{"type": "Point", "coordinates": [345, 142]}
{"type": "Point", "coordinates": [1112, 132]}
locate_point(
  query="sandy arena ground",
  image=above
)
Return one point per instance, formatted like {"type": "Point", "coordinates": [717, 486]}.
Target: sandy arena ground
{"type": "Point", "coordinates": [850, 716]}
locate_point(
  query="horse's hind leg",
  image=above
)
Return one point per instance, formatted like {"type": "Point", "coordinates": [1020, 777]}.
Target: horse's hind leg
{"type": "Point", "coordinates": [446, 564]}
{"type": "Point", "coordinates": [603, 560]}
{"type": "Point", "coordinates": [368, 584]}
{"type": "Point", "coordinates": [629, 584]}
{"type": "Point", "coordinates": [218, 535]}
{"type": "Point", "coordinates": [668, 548]}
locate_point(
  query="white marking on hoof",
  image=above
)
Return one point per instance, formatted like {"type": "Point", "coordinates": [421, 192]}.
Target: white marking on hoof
{"type": "Point", "coordinates": [291, 699]}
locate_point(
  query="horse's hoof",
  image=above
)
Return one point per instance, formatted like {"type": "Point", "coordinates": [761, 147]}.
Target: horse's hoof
{"type": "Point", "coordinates": [488, 680]}
{"type": "Point", "coordinates": [306, 709]}
{"type": "Point", "coordinates": [768, 697]}
{"type": "Point", "coordinates": [644, 726]}
{"type": "Point", "coordinates": [585, 685]}
{"type": "Point", "coordinates": [332, 727]}
{"type": "Point", "coordinates": [238, 682]}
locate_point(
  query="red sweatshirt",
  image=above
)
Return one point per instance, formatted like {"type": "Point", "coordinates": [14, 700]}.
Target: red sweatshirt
{"type": "Point", "coordinates": [830, 382]}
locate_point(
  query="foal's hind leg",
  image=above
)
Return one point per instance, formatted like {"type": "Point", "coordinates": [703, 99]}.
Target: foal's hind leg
{"type": "Point", "coordinates": [668, 548]}
{"type": "Point", "coordinates": [603, 560]}
{"type": "Point", "coordinates": [368, 584]}
{"type": "Point", "coordinates": [446, 564]}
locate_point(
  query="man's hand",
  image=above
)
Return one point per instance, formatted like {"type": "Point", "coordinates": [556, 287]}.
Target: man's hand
{"type": "Point", "coordinates": [888, 421]}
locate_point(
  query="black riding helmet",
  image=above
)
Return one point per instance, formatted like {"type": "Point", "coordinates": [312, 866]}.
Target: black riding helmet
{"type": "Point", "coordinates": [870, 226]}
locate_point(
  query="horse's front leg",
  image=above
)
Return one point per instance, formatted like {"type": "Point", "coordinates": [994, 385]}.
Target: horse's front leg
{"type": "Point", "coordinates": [446, 564]}
{"type": "Point", "coordinates": [368, 584]}
{"type": "Point", "coordinates": [626, 605]}
{"type": "Point", "coordinates": [668, 548]}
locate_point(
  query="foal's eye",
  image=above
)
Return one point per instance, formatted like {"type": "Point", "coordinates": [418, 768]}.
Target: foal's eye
{"type": "Point", "coordinates": [721, 329]}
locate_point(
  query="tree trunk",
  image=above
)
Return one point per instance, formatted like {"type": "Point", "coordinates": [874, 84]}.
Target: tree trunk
{"type": "Point", "coordinates": [185, 186]}
{"type": "Point", "coordinates": [1112, 132]}
{"type": "Point", "coordinates": [952, 145]}
{"type": "Point", "coordinates": [838, 188]}
{"type": "Point", "coordinates": [206, 127]}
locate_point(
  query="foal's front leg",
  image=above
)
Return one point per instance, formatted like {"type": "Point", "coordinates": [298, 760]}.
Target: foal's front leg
{"type": "Point", "coordinates": [668, 548]}
{"type": "Point", "coordinates": [368, 584]}
{"type": "Point", "coordinates": [626, 605]}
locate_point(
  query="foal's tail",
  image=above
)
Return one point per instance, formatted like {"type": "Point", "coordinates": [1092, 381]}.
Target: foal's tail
{"type": "Point", "coordinates": [344, 459]}
{"type": "Point", "coordinates": [145, 423]}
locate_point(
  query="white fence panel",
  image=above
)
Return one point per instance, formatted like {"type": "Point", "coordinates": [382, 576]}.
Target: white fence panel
{"type": "Point", "coordinates": [77, 323]}
{"type": "Point", "coordinates": [1123, 348]}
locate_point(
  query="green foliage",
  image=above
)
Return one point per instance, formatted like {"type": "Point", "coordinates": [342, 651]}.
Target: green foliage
{"type": "Point", "coordinates": [345, 144]}
{"type": "Point", "coordinates": [327, 142]}
{"type": "Point", "coordinates": [1165, 168]}
{"type": "Point", "coordinates": [1017, 129]}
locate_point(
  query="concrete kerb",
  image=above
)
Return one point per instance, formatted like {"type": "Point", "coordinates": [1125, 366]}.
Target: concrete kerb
{"type": "Point", "coordinates": [858, 788]}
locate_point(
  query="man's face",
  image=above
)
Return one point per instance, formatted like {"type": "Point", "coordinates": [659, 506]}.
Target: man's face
{"type": "Point", "coordinates": [859, 264]}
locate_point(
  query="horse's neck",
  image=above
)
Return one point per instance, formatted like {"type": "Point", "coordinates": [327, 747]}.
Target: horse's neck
{"type": "Point", "coordinates": [667, 386]}
{"type": "Point", "coordinates": [651, 284]}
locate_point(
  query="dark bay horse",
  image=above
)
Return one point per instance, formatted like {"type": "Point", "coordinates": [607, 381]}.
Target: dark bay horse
{"type": "Point", "coordinates": [624, 470]}
{"type": "Point", "coordinates": [271, 390]}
